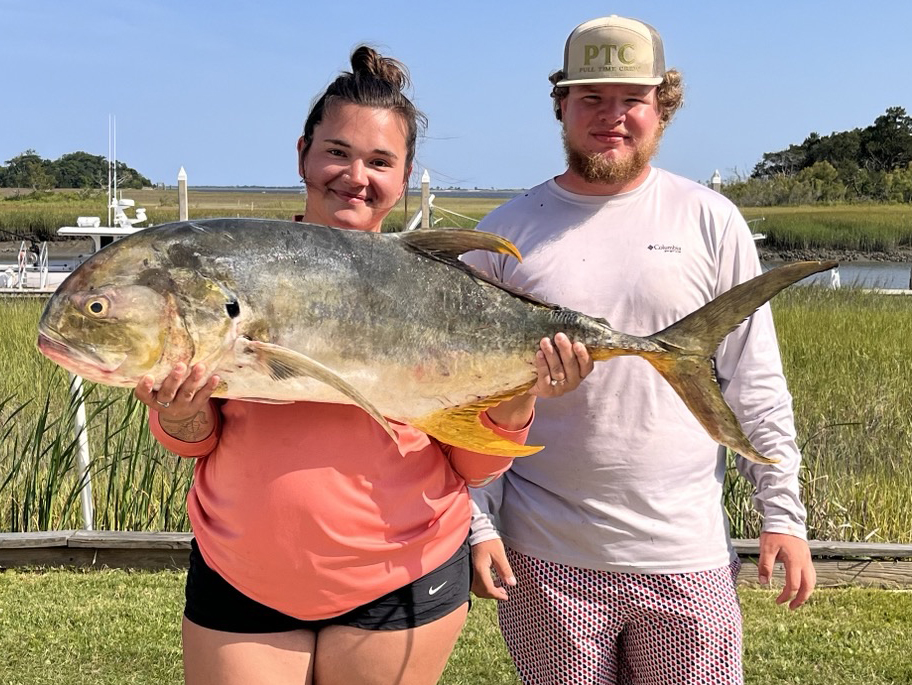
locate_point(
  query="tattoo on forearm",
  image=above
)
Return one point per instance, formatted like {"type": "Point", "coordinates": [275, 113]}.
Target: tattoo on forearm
{"type": "Point", "coordinates": [193, 429]}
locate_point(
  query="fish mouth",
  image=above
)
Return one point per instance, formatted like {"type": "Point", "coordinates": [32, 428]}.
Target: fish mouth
{"type": "Point", "coordinates": [55, 348]}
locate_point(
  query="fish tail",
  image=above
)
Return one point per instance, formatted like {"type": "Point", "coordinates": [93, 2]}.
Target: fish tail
{"type": "Point", "coordinates": [683, 352]}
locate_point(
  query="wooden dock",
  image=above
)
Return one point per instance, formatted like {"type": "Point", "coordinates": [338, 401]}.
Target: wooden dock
{"type": "Point", "coordinates": [838, 564]}
{"type": "Point", "coordinates": [26, 292]}
{"type": "Point", "coordinates": [842, 564]}
{"type": "Point", "coordinates": [95, 549]}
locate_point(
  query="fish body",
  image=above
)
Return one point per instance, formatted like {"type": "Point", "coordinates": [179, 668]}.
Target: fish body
{"type": "Point", "coordinates": [394, 323]}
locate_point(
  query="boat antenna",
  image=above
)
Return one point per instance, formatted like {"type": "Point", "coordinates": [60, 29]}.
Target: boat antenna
{"type": "Point", "coordinates": [109, 169]}
{"type": "Point", "coordinates": [112, 160]}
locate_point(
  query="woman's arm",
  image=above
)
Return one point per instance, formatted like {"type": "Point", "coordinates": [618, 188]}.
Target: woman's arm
{"type": "Point", "coordinates": [181, 411]}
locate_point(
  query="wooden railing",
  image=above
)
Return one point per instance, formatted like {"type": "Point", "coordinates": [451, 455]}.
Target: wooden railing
{"type": "Point", "coordinates": [838, 564]}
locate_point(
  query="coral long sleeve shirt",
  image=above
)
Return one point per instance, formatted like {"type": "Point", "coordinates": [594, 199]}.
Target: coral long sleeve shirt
{"type": "Point", "coordinates": [313, 510]}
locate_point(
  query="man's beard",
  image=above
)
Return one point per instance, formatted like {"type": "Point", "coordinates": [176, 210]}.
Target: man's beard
{"type": "Point", "coordinates": [595, 168]}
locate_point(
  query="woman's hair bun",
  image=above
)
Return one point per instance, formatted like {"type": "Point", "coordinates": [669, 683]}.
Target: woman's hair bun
{"type": "Point", "coordinates": [366, 61]}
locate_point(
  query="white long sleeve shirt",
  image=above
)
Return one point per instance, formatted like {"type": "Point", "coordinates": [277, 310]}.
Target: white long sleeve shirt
{"type": "Point", "coordinates": [629, 481]}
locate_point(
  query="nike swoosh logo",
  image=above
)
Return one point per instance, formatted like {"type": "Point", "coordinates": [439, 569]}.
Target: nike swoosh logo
{"type": "Point", "coordinates": [435, 590]}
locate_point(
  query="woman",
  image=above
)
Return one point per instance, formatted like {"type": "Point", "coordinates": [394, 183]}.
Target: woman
{"type": "Point", "coordinates": [326, 552]}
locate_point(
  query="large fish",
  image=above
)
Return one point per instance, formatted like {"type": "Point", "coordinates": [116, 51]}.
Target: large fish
{"type": "Point", "coordinates": [393, 323]}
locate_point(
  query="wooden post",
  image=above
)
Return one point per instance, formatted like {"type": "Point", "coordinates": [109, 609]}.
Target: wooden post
{"type": "Point", "coordinates": [716, 182]}
{"type": "Point", "coordinates": [182, 194]}
{"type": "Point", "coordinates": [425, 199]}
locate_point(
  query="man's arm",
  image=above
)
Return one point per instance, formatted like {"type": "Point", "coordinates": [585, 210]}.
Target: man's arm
{"type": "Point", "coordinates": [749, 367]}
{"type": "Point", "coordinates": [492, 570]}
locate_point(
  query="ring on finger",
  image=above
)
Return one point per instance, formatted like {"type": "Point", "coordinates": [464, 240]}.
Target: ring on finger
{"type": "Point", "coordinates": [163, 404]}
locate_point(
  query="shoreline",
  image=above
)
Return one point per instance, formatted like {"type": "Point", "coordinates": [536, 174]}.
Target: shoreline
{"type": "Point", "coordinates": [900, 255]}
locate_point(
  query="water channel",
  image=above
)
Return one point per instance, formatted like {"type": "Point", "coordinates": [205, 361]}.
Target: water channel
{"type": "Point", "coordinates": [893, 275]}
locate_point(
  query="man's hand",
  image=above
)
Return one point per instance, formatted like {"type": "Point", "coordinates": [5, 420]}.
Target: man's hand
{"type": "Point", "coordinates": [490, 556]}
{"type": "Point", "coordinates": [795, 555]}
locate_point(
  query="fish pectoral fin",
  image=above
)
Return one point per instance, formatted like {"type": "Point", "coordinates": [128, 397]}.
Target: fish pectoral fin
{"type": "Point", "coordinates": [281, 364]}
{"type": "Point", "coordinates": [462, 427]}
{"type": "Point", "coordinates": [452, 242]}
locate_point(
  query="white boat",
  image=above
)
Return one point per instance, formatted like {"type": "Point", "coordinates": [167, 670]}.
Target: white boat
{"type": "Point", "coordinates": [90, 226]}
{"type": "Point", "coordinates": [37, 270]}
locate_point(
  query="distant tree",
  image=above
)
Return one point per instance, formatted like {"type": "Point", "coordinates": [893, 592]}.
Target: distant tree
{"type": "Point", "coordinates": [821, 183]}
{"type": "Point", "coordinates": [785, 162]}
{"type": "Point", "coordinates": [81, 170]}
{"type": "Point", "coordinates": [130, 178]}
{"type": "Point", "coordinates": [842, 150]}
{"type": "Point", "coordinates": [28, 170]}
{"type": "Point", "coordinates": [73, 170]}
{"type": "Point", "coordinates": [860, 164]}
{"type": "Point", "coordinates": [898, 185]}
{"type": "Point", "coordinates": [887, 145]}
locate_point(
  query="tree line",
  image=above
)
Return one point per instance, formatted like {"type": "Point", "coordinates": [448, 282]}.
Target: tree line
{"type": "Point", "coordinates": [74, 170]}
{"type": "Point", "coordinates": [872, 164]}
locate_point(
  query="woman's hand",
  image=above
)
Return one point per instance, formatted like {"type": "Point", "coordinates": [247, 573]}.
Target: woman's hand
{"type": "Point", "coordinates": [182, 402]}
{"type": "Point", "coordinates": [561, 366]}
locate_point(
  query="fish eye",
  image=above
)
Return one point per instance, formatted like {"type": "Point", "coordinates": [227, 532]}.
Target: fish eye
{"type": "Point", "coordinates": [97, 306]}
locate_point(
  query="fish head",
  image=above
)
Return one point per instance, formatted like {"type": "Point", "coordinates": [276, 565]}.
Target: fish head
{"type": "Point", "coordinates": [127, 312]}
{"type": "Point", "coordinates": [112, 334]}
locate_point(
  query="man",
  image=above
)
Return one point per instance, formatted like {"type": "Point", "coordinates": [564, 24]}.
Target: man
{"type": "Point", "coordinates": [616, 533]}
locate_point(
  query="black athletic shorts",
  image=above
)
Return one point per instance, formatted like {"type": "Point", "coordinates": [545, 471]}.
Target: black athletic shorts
{"type": "Point", "coordinates": [213, 603]}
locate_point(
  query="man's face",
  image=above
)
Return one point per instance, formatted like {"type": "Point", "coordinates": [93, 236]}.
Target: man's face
{"type": "Point", "coordinates": [611, 131]}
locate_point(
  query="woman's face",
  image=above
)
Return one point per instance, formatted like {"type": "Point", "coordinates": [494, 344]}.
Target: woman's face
{"type": "Point", "coordinates": [355, 167]}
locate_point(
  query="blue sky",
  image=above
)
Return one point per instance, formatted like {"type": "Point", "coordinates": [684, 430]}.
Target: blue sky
{"type": "Point", "coordinates": [222, 88]}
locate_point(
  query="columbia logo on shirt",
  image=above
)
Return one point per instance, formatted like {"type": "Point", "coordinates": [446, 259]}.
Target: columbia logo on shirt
{"type": "Point", "coordinates": [675, 249]}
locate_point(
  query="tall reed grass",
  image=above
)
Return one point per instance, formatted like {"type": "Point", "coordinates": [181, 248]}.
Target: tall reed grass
{"type": "Point", "coordinates": [136, 484]}
{"type": "Point", "coordinates": [845, 354]}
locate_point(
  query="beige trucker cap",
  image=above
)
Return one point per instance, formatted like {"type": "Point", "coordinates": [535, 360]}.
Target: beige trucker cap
{"type": "Point", "coordinates": [613, 50]}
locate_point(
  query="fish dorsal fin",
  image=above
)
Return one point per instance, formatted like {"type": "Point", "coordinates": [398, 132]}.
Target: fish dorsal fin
{"type": "Point", "coordinates": [462, 427]}
{"type": "Point", "coordinates": [452, 242]}
{"type": "Point", "coordinates": [280, 364]}
{"type": "Point", "coordinates": [446, 244]}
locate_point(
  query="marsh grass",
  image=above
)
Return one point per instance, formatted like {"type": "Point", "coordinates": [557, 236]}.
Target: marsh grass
{"type": "Point", "coordinates": [136, 484]}
{"type": "Point", "coordinates": [865, 228]}
{"type": "Point", "coordinates": [844, 352]}
{"type": "Point", "coordinates": [39, 218]}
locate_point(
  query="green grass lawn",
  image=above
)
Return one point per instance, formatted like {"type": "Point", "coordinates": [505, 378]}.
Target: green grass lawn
{"type": "Point", "coordinates": [106, 627]}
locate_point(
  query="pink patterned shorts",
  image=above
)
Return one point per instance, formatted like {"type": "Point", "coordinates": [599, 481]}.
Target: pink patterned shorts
{"type": "Point", "coordinates": [574, 626]}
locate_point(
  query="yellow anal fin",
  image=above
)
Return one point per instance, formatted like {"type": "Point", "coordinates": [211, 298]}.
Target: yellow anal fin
{"type": "Point", "coordinates": [462, 427]}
